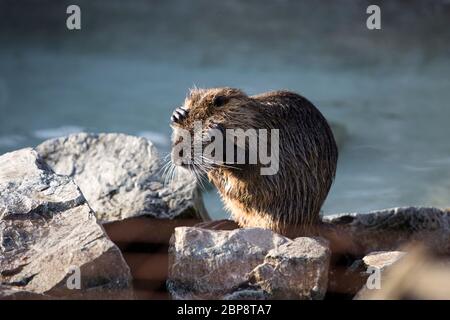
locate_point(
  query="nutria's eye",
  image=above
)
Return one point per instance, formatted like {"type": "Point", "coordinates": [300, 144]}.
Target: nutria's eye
{"type": "Point", "coordinates": [219, 101]}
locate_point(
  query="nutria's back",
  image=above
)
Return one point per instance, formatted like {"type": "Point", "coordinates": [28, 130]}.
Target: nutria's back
{"type": "Point", "coordinates": [292, 197]}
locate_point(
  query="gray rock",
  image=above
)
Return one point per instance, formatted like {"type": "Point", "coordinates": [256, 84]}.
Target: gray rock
{"type": "Point", "coordinates": [377, 262]}
{"type": "Point", "coordinates": [417, 275]}
{"type": "Point", "coordinates": [47, 230]}
{"type": "Point", "coordinates": [206, 263]}
{"type": "Point", "coordinates": [391, 229]}
{"type": "Point", "coordinates": [245, 264]}
{"type": "Point", "coordinates": [12, 293]}
{"type": "Point", "coordinates": [121, 176]}
{"type": "Point", "coordinates": [382, 259]}
{"type": "Point", "coordinates": [252, 293]}
{"type": "Point", "coordinates": [295, 270]}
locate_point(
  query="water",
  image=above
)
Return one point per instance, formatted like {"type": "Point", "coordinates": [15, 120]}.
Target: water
{"type": "Point", "coordinates": [386, 92]}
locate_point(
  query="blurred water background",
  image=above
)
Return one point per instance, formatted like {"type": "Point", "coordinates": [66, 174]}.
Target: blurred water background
{"type": "Point", "coordinates": [387, 92]}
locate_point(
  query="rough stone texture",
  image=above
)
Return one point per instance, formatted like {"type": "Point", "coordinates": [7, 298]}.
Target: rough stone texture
{"type": "Point", "coordinates": [382, 259]}
{"type": "Point", "coordinates": [46, 229]}
{"type": "Point", "coordinates": [245, 264]}
{"type": "Point", "coordinates": [12, 293]}
{"type": "Point", "coordinates": [206, 263]}
{"type": "Point", "coordinates": [418, 275]}
{"type": "Point", "coordinates": [295, 270]}
{"type": "Point", "coordinates": [121, 176]}
{"type": "Point", "coordinates": [390, 229]}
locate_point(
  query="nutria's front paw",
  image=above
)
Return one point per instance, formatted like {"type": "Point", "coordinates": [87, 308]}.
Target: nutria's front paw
{"type": "Point", "coordinates": [218, 225]}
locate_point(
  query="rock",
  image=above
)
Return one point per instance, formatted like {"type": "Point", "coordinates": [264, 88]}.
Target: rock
{"type": "Point", "coordinates": [382, 259]}
{"type": "Point", "coordinates": [417, 275]}
{"type": "Point", "coordinates": [295, 270]}
{"type": "Point", "coordinates": [121, 177]}
{"type": "Point", "coordinates": [49, 235]}
{"type": "Point", "coordinates": [346, 281]}
{"type": "Point", "coordinates": [11, 293]}
{"type": "Point", "coordinates": [247, 294]}
{"type": "Point", "coordinates": [206, 263]}
{"type": "Point", "coordinates": [245, 264]}
{"type": "Point", "coordinates": [345, 277]}
{"type": "Point", "coordinates": [376, 264]}
{"type": "Point", "coordinates": [390, 229]}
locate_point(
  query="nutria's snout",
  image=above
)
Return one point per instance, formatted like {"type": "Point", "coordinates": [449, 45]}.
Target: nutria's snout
{"type": "Point", "coordinates": [177, 155]}
{"type": "Point", "coordinates": [185, 154]}
{"type": "Point", "coordinates": [192, 132]}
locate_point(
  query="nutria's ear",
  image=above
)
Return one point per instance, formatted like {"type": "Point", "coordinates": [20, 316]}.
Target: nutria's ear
{"type": "Point", "coordinates": [220, 100]}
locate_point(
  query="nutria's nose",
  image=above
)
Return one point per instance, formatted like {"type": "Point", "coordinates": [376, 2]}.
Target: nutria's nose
{"type": "Point", "coordinates": [179, 114]}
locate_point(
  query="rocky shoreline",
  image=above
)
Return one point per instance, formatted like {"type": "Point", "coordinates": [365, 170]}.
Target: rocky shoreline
{"type": "Point", "coordinates": [97, 203]}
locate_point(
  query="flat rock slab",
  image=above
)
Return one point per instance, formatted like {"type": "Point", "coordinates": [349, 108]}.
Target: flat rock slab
{"type": "Point", "coordinates": [246, 264]}
{"type": "Point", "coordinates": [375, 266]}
{"type": "Point", "coordinates": [48, 233]}
{"type": "Point", "coordinates": [415, 275]}
{"type": "Point", "coordinates": [382, 259]}
{"type": "Point", "coordinates": [122, 176]}
{"type": "Point", "coordinates": [12, 293]}
{"type": "Point", "coordinates": [391, 229]}
{"type": "Point", "coordinates": [295, 270]}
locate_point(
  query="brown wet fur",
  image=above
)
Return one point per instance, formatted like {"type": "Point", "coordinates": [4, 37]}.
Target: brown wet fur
{"type": "Point", "coordinates": [288, 202]}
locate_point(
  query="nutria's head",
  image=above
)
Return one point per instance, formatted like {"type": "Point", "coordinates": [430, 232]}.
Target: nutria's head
{"type": "Point", "coordinates": [205, 112]}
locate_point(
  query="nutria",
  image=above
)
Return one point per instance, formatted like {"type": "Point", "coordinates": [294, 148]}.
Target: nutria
{"type": "Point", "coordinates": [288, 200]}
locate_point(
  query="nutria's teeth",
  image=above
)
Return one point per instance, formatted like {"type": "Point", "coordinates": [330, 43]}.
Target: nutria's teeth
{"type": "Point", "coordinates": [182, 112]}
{"type": "Point", "coordinates": [179, 114]}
